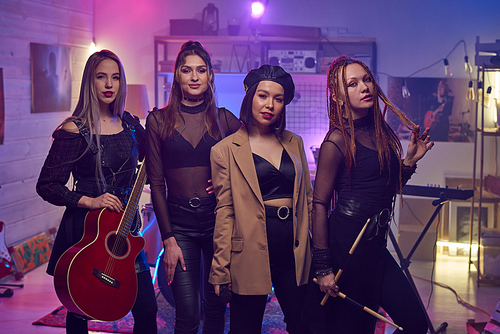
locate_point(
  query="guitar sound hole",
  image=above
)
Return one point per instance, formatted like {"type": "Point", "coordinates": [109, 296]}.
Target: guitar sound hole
{"type": "Point", "coordinates": [117, 245]}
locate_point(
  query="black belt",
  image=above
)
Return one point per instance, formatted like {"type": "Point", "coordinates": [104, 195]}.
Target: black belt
{"type": "Point", "coordinates": [358, 210]}
{"type": "Point", "coordinates": [282, 212]}
{"type": "Point", "coordinates": [194, 202]}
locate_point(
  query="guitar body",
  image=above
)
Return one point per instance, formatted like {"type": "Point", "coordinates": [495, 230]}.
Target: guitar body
{"type": "Point", "coordinates": [96, 277]}
{"type": "Point", "coordinates": [431, 117]}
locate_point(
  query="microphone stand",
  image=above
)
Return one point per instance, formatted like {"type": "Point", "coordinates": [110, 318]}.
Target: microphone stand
{"type": "Point", "coordinates": [405, 262]}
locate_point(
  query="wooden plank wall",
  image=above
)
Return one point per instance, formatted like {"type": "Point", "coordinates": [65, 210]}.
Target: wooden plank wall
{"type": "Point", "coordinates": [67, 23]}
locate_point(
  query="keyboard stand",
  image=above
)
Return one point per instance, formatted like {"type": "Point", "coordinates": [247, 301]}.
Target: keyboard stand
{"type": "Point", "coordinates": [405, 262]}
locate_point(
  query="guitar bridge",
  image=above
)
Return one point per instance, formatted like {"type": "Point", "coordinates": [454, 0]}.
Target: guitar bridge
{"type": "Point", "coordinates": [105, 278]}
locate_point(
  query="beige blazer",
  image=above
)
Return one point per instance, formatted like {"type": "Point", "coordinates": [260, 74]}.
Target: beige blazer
{"type": "Point", "coordinates": [240, 242]}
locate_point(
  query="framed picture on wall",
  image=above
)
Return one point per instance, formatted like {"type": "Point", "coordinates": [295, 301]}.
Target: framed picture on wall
{"type": "Point", "coordinates": [50, 78]}
{"type": "Point", "coordinates": [460, 220]}
{"type": "Point", "coordinates": [435, 103]}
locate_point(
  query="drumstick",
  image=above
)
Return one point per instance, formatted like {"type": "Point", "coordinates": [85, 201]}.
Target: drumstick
{"type": "Point", "coordinates": [353, 248]}
{"type": "Point", "coordinates": [364, 308]}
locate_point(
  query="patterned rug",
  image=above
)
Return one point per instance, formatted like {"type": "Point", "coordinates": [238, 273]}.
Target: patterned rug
{"type": "Point", "coordinates": [272, 323]}
{"type": "Point", "coordinates": [57, 318]}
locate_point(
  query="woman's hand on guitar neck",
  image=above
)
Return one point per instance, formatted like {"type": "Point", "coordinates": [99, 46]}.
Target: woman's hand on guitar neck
{"type": "Point", "coordinates": [172, 255]}
{"type": "Point", "coordinates": [106, 200]}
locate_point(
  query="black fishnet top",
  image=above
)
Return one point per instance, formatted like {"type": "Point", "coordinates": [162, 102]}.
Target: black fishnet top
{"type": "Point", "coordinates": [367, 184]}
{"type": "Point", "coordinates": [181, 164]}
{"type": "Point", "coordinates": [119, 160]}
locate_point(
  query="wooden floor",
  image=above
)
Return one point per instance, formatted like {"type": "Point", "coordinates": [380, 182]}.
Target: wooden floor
{"type": "Point", "coordinates": [37, 297]}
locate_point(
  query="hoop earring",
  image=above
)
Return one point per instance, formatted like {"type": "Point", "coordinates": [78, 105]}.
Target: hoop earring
{"type": "Point", "coordinates": [277, 124]}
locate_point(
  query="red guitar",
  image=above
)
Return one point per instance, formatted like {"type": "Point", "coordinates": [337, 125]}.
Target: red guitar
{"type": "Point", "coordinates": [96, 277]}
{"type": "Point", "coordinates": [432, 117]}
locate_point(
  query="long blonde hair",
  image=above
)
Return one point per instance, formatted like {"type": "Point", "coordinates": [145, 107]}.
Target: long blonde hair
{"type": "Point", "coordinates": [88, 110]}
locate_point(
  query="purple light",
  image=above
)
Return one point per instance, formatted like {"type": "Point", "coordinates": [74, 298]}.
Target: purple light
{"type": "Point", "coordinates": [257, 9]}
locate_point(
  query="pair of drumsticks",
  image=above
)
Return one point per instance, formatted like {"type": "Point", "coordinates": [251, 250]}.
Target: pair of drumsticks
{"type": "Point", "coordinates": [343, 296]}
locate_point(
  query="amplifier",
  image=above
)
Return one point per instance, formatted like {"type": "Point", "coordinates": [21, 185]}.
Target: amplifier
{"type": "Point", "coordinates": [298, 61]}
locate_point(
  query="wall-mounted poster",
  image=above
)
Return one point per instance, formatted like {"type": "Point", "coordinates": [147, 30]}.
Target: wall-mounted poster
{"type": "Point", "coordinates": [50, 78]}
{"type": "Point", "coordinates": [438, 103]}
{"type": "Point", "coordinates": [2, 108]}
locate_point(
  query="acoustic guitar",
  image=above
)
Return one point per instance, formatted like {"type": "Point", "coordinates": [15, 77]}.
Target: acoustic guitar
{"type": "Point", "coordinates": [96, 277]}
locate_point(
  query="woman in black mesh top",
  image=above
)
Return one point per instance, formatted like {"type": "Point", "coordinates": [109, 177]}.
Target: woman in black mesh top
{"type": "Point", "coordinates": [360, 160]}
{"type": "Point", "coordinates": [179, 137]}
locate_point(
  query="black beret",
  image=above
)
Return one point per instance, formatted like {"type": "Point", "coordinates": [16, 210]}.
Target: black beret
{"type": "Point", "coordinates": [271, 73]}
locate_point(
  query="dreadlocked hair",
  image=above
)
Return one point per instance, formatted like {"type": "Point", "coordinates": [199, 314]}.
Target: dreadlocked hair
{"type": "Point", "coordinates": [386, 138]}
{"type": "Point", "coordinates": [168, 113]}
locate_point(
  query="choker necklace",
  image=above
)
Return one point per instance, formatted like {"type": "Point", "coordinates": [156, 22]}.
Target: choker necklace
{"type": "Point", "coordinates": [193, 100]}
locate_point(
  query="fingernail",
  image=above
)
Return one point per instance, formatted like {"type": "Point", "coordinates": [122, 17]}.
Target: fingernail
{"type": "Point", "coordinates": [184, 268]}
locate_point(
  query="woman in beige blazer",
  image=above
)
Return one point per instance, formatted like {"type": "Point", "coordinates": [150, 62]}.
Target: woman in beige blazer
{"type": "Point", "coordinates": [261, 181]}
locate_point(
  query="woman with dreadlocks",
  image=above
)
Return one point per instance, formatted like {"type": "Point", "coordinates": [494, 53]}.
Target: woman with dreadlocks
{"type": "Point", "coordinates": [360, 160]}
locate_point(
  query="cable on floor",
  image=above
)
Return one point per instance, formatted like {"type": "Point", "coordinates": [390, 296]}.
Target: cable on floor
{"type": "Point", "coordinates": [460, 300]}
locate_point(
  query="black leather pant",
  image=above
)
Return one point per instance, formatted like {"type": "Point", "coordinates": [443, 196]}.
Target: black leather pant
{"type": "Point", "coordinates": [193, 231]}
{"type": "Point", "coordinates": [247, 311]}
{"type": "Point", "coordinates": [370, 276]}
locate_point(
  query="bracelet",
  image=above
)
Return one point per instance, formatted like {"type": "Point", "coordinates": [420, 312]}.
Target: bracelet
{"type": "Point", "coordinates": [408, 169]}
{"type": "Point", "coordinates": [406, 166]}
{"type": "Point", "coordinates": [322, 260]}
{"type": "Point", "coordinates": [323, 272]}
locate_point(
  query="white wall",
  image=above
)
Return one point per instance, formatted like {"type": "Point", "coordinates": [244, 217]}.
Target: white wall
{"type": "Point", "coordinates": [27, 140]}
{"type": "Point", "coordinates": [410, 35]}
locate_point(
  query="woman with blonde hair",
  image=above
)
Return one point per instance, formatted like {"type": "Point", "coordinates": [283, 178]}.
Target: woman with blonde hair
{"type": "Point", "coordinates": [100, 145]}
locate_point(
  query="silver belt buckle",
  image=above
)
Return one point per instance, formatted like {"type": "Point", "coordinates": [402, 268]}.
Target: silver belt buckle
{"type": "Point", "coordinates": [287, 212]}
{"type": "Point", "coordinates": [194, 202]}
{"type": "Point", "coordinates": [387, 217]}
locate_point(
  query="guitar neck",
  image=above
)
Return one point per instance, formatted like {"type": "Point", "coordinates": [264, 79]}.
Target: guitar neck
{"type": "Point", "coordinates": [133, 202]}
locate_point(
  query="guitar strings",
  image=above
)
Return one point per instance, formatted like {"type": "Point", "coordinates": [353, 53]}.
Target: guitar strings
{"type": "Point", "coordinates": [124, 228]}
{"type": "Point", "coordinates": [120, 243]}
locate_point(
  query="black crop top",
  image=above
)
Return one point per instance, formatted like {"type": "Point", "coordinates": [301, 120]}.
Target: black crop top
{"type": "Point", "coordinates": [275, 183]}
{"type": "Point", "coordinates": [180, 153]}
{"type": "Point", "coordinates": [181, 163]}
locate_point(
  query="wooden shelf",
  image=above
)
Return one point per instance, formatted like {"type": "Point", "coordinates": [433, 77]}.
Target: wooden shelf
{"type": "Point", "coordinates": [481, 195]}
{"type": "Point", "coordinates": [238, 54]}
{"type": "Point", "coordinates": [254, 39]}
